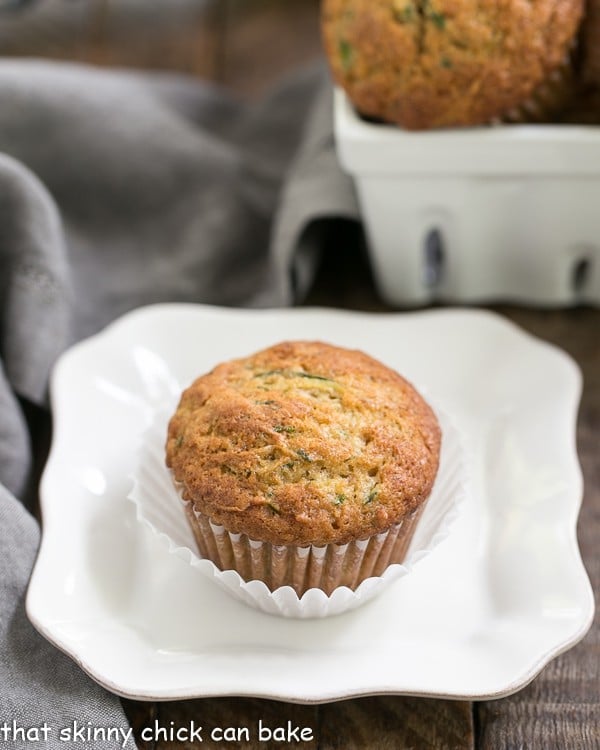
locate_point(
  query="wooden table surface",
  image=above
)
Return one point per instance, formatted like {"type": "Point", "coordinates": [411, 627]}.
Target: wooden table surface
{"type": "Point", "coordinates": [244, 44]}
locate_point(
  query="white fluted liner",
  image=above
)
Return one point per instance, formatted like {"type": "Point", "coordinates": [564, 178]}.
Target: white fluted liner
{"type": "Point", "coordinates": [324, 576]}
{"type": "Point", "coordinates": [302, 568]}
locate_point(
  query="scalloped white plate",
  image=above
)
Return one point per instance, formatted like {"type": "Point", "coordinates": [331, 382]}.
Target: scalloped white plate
{"type": "Point", "coordinates": [479, 617]}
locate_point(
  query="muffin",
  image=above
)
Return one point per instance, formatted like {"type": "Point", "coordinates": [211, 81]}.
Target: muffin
{"type": "Point", "coordinates": [304, 464]}
{"type": "Point", "coordinates": [441, 63]}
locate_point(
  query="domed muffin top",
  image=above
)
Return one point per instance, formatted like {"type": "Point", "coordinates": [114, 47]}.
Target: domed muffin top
{"type": "Point", "coordinates": [304, 443]}
{"type": "Point", "coordinates": [441, 63]}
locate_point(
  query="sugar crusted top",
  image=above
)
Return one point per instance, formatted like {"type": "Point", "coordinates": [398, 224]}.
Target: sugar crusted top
{"type": "Point", "coordinates": [304, 443]}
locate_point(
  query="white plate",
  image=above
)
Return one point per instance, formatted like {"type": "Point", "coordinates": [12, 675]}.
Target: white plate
{"type": "Point", "coordinates": [479, 617]}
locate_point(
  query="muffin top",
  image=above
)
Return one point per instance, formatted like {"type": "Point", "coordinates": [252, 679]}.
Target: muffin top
{"type": "Point", "coordinates": [438, 63]}
{"type": "Point", "coordinates": [304, 443]}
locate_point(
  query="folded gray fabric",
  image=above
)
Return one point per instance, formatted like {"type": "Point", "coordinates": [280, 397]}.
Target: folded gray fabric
{"type": "Point", "coordinates": [123, 189]}
{"type": "Point", "coordinates": [40, 686]}
{"type": "Point", "coordinates": [120, 189]}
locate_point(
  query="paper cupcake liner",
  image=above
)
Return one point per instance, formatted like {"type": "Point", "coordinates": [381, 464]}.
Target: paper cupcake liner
{"type": "Point", "coordinates": [548, 99]}
{"type": "Point", "coordinates": [302, 568]}
{"type": "Point", "coordinates": [320, 581]}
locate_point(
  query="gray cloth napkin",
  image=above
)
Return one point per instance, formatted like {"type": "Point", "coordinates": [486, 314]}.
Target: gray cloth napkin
{"type": "Point", "coordinates": [119, 189]}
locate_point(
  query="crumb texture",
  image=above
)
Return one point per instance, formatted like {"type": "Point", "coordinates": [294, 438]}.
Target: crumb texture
{"type": "Point", "coordinates": [304, 443]}
{"type": "Point", "coordinates": [440, 63]}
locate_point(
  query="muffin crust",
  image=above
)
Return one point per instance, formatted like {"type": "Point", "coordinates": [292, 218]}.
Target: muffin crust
{"type": "Point", "coordinates": [440, 63]}
{"type": "Point", "coordinates": [304, 443]}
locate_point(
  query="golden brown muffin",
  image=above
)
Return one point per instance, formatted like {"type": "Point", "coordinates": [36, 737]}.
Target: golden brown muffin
{"type": "Point", "coordinates": [304, 443]}
{"type": "Point", "coordinates": [439, 63]}
{"type": "Point", "coordinates": [301, 446]}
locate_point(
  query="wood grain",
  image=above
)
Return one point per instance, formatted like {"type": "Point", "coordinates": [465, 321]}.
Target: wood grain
{"type": "Point", "coordinates": [266, 38]}
{"type": "Point", "coordinates": [244, 44]}
{"type": "Point", "coordinates": [141, 715]}
{"type": "Point", "coordinates": [182, 37]}
{"type": "Point", "coordinates": [385, 723]}
{"type": "Point", "coordinates": [394, 723]}
{"type": "Point", "coordinates": [237, 713]}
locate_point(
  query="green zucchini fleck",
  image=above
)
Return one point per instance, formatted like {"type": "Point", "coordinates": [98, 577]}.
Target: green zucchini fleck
{"type": "Point", "coordinates": [284, 428]}
{"type": "Point", "coordinates": [370, 497]}
{"type": "Point", "coordinates": [293, 374]}
{"type": "Point", "coordinates": [311, 376]}
{"type": "Point", "coordinates": [274, 509]}
{"type": "Point", "coordinates": [268, 373]}
{"type": "Point", "coordinates": [346, 54]}
{"type": "Point", "coordinates": [405, 15]}
{"type": "Point", "coordinates": [304, 455]}
{"type": "Point", "coordinates": [179, 441]}
{"type": "Point", "coordinates": [340, 500]}
{"type": "Point", "coordinates": [439, 19]}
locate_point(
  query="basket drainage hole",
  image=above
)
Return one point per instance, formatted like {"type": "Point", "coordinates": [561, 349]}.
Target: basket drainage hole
{"type": "Point", "coordinates": [581, 274]}
{"type": "Point", "coordinates": [434, 258]}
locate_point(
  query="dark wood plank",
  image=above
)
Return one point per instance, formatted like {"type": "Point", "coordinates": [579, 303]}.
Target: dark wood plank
{"type": "Point", "coordinates": [344, 277]}
{"type": "Point", "coordinates": [394, 723]}
{"type": "Point", "coordinates": [387, 723]}
{"type": "Point", "coordinates": [238, 714]}
{"type": "Point", "coordinates": [266, 38]}
{"type": "Point", "coordinates": [141, 715]}
{"type": "Point", "coordinates": [181, 37]}
{"type": "Point", "coordinates": [50, 29]}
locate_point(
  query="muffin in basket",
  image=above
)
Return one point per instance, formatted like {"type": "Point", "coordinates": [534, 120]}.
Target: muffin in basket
{"type": "Point", "coordinates": [442, 63]}
{"type": "Point", "coordinates": [304, 464]}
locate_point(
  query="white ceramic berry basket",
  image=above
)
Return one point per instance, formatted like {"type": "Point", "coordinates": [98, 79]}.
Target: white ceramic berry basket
{"type": "Point", "coordinates": [506, 212]}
